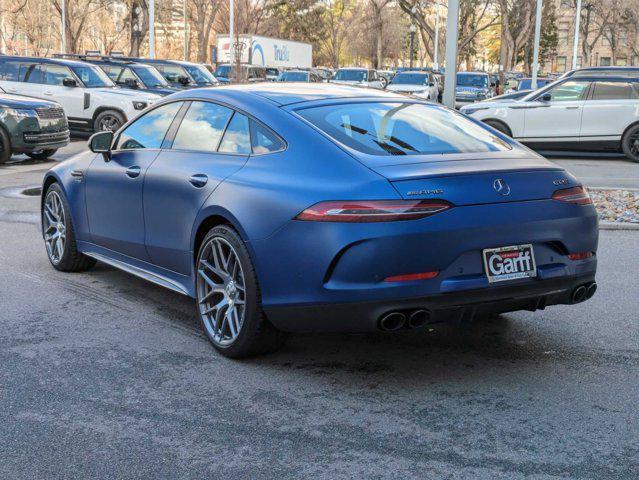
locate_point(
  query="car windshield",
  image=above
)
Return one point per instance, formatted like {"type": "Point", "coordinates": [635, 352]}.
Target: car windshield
{"type": "Point", "coordinates": [402, 129]}
{"type": "Point", "coordinates": [472, 80]}
{"type": "Point", "coordinates": [293, 77]}
{"type": "Point", "coordinates": [200, 75]}
{"type": "Point", "coordinates": [410, 79]}
{"type": "Point", "coordinates": [92, 77]}
{"type": "Point", "coordinates": [351, 75]}
{"type": "Point", "coordinates": [223, 71]}
{"type": "Point", "coordinates": [150, 77]}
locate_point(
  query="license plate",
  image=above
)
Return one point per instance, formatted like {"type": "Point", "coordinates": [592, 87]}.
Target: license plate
{"type": "Point", "coordinates": [509, 263]}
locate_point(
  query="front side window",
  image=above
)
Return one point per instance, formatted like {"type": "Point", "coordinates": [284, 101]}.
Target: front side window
{"type": "Point", "coordinates": [150, 77]}
{"type": "Point", "coordinates": [615, 91]}
{"type": "Point", "coordinates": [92, 77]}
{"type": "Point", "coordinates": [55, 74]}
{"type": "Point", "coordinates": [202, 127]}
{"type": "Point", "coordinates": [237, 137]}
{"type": "Point", "coordinates": [113, 72]}
{"type": "Point", "coordinates": [200, 74]}
{"type": "Point", "coordinates": [402, 129]}
{"type": "Point", "coordinates": [149, 130]}
{"type": "Point", "coordinates": [568, 91]}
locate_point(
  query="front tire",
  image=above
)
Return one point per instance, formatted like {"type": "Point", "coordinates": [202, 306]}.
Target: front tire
{"type": "Point", "coordinates": [630, 143]}
{"type": "Point", "coordinates": [109, 120]}
{"type": "Point", "coordinates": [42, 155]}
{"type": "Point", "coordinates": [5, 146]}
{"type": "Point", "coordinates": [59, 235]}
{"type": "Point", "coordinates": [228, 297]}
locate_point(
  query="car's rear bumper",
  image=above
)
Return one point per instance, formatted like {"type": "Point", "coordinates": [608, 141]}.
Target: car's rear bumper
{"type": "Point", "coordinates": [445, 307]}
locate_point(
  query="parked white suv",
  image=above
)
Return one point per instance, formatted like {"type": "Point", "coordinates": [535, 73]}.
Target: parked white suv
{"type": "Point", "coordinates": [360, 77]}
{"type": "Point", "coordinates": [419, 84]}
{"type": "Point", "coordinates": [585, 113]}
{"type": "Point", "coordinates": [90, 99]}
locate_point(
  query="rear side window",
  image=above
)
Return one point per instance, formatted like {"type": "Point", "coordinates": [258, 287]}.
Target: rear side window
{"type": "Point", "coordinates": [615, 91]}
{"type": "Point", "coordinates": [237, 137]}
{"type": "Point", "coordinates": [402, 129]}
{"type": "Point", "coordinates": [11, 71]}
{"type": "Point", "coordinates": [202, 127]}
{"type": "Point", "coordinates": [149, 130]}
{"type": "Point", "coordinates": [34, 74]}
{"type": "Point", "coordinates": [264, 140]}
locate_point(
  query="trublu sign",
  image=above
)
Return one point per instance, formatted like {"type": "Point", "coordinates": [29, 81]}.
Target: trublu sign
{"type": "Point", "coordinates": [281, 53]}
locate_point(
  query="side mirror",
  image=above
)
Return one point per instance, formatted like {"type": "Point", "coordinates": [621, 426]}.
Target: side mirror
{"type": "Point", "coordinates": [69, 82]}
{"type": "Point", "coordinates": [431, 84]}
{"type": "Point", "coordinates": [131, 83]}
{"type": "Point", "coordinates": [546, 97]}
{"type": "Point", "coordinates": [101, 143]}
{"type": "Point", "coordinates": [183, 80]}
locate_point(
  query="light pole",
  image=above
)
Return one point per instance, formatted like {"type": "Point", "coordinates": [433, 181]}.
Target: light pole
{"type": "Point", "coordinates": [63, 26]}
{"type": "Point", "coordinates": [535, 65]}
{"type": "Point", "coordinates": [186, 32]}
{"type": "Point", "coordinates": [435, 53]}
{"type": "Point", "coordinates": [412, 31]}
{"type": "Point", "coordinates": [452, 33]}
{"type": "Point", "coordinates": [152, 28]}
{"type": "Point", "coordinates": [577, 26]}
{"type": "Point", "coordinates": [3, 42]}
{"type": "Point", "coordinates": [231, 22]}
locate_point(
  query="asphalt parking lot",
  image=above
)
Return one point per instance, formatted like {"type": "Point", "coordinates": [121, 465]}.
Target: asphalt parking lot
{"type": "Point", "coordinates": [106, 376]}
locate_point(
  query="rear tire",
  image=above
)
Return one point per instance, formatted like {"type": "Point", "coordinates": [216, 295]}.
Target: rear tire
{"type": "Point", "coordinates": [56, 220]}
{"type": "Point", "coordinates": [43, 155]}
{"type": "Point", "coordinates": [5, 146]}
{"type": "Point", "coordinates": [229, 299]}
{"type": "Point", "coordinates": [109, 120]}
{"type": "Point", "coordinates": [630, 143]}
{"type": "Point", "coordinates": [499, 126]}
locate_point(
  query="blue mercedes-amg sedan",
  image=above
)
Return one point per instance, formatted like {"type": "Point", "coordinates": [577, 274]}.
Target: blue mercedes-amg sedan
{"type": "Point", "coordinates": [322, 208]}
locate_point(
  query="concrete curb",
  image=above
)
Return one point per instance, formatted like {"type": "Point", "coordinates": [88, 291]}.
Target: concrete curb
{"type": "Point", "coordinates": [618, 226]}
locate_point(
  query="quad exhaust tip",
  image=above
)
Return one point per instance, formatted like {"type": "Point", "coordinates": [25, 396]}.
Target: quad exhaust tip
{"type": "Point", "coordinates": [392, 321]}
{"type": "Point", "coordinates": [418, 318]}
{"type": "Point", "coordinates": [583, 292]}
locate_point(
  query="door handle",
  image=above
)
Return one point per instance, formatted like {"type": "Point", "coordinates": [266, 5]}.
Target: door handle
{"type": "Point", "coordinates": [198, 180]}
{"type": "Point", "coordinates": [572, 107]}
{"type": "Point", "coordinates": [133, 172]}
{"type": "Point", "coordinates": [48, 92]}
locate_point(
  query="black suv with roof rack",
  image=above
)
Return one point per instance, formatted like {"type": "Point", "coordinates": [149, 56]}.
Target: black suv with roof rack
{"type": "Point", "coordinates": [128, 73]}
{"type": "Point", "coordinates": [179, 73]}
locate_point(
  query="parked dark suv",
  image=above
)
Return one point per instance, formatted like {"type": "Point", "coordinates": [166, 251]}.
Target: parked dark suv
{"type": "Point", "coordinates": [35, 127]}
{"type": "Point", "coordinates": [180, 74]}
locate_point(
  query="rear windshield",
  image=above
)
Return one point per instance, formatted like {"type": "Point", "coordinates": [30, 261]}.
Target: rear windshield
{"type": "Point", "coordinates": [351, 75]}
{"type": "Point", "coordinates": [472, 80]}
{"type": "Point", "coordinates": [402, 129]}
{"type": "Point", "coordinates": [410, 79]}
{"type": "Point", "coordinates": [293, 77]}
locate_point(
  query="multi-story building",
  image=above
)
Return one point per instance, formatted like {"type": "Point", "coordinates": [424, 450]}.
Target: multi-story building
{"type": "Point", "coordinates": [611, 41]}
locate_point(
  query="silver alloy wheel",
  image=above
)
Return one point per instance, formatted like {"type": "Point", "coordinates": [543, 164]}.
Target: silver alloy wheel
{"type": "Point", "coordinates": [109, 123]}
{"type": "Point", "coordinates": [221, 291]}
{"type": "Point", "coordinates": [54, 227]}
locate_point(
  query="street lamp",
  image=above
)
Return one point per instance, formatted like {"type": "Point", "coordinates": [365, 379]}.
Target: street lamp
{"type": "Point", "coordinates": [577, 26]}
{"type": "Point", "coordinates": [412, 31]}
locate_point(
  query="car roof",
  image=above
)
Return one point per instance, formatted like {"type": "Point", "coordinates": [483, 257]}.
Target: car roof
{"type": "Point", "coordinates": [287, 94]}
{"type": "Point", "coordinates": [53, 61]}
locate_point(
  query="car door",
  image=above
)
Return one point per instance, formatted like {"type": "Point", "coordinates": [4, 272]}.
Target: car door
{"type": "Point", "coordinates": [114, 187]}
{"type": "Point", "coordinates": [71, 98]}
{"type": "Point", "coordinates": [611, 107]}
{"type": "Point", "coordinates": [211, 143]}
{"type": "Point", "coordinates": [559, 116]}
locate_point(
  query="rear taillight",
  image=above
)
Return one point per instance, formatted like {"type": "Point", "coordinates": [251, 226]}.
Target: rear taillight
{"type": "Point", "coordinates": [576, 195]}
{"type": "Point", "coordinates": [412, 277]}
{"type": "Point", "coordinates": [580, 255]}
{"type": "Point", "coordinates": [357, 211]}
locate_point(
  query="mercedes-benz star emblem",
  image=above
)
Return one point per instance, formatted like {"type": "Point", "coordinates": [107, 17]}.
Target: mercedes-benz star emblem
{"type": "Point", "coordinates": [501, 187]}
